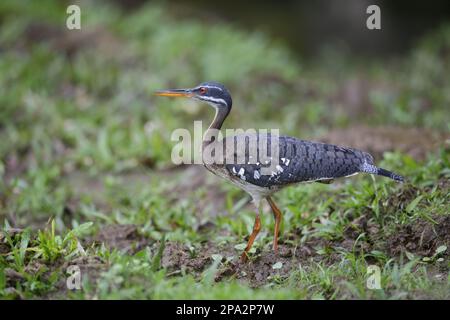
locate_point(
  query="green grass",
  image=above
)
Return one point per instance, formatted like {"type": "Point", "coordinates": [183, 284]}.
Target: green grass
{"type": "Point", "coordinates": [85, 147]}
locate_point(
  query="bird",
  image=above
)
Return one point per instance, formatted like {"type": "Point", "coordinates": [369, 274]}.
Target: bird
{"type": "Point", "coordinates": [260, 170]}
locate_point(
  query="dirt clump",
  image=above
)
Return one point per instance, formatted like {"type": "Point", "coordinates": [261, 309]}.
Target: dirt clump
{"type": "Point", "coordinates": [402, 198]}
{"type": "Point", "coordinates": [124, 237]}
{"type": "Point", "coordinates": [259, 271]}
{"type": "Point", "coordinates": [178, 256]}
{"type": "Point", "coordinates": [422, 237]}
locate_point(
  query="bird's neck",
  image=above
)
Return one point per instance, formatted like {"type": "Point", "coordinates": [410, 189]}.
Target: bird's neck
{"type": "Point", "coordinates": [211, 134]}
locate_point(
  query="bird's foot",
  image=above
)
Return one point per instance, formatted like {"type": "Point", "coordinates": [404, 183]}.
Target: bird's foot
{"type": "Point", "coordinates": [244, 257]}
{"type": "Point", "coordinates": [275, 250]}
{"type": "Point", "coordinates": [275, 245]}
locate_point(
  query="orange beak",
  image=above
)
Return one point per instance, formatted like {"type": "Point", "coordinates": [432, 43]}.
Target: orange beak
{"type": "Point", "coordinates": [175, 93]}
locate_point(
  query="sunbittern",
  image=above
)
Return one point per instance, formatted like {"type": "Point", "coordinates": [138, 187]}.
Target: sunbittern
{"type": "Point", "coordinates": [298, 160]}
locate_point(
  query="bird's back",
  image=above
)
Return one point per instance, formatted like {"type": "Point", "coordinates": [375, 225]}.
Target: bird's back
{"type": "Point", "coordinates": [298, 160]}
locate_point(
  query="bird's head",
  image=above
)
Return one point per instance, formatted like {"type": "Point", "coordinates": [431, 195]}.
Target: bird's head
{"type": "Point", "coordinates": [211, 92]}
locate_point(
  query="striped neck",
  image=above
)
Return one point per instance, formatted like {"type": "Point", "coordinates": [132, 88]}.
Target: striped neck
{"type": "Point", "coordinates": [215, 126]}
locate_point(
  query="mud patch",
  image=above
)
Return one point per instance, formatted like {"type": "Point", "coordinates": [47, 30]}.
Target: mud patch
{"type": "Point", "coordinates": [401, 199]}
{"type": "Point", "coordinates": [125, 238]}
{"type": "Point", "coordinates": [377, 140]}
{"type": "Point", "coordinates": [259, 270]}
{"type": "Point", "coordinates": [422, 237]}
{"type": "Point", "coordinates": [178, 256]}
{"type": "Point", "coordinates": [267, 266]}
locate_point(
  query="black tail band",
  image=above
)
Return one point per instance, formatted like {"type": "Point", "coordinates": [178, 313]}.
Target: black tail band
{"type": "Point", "coordinates": [389, 174]}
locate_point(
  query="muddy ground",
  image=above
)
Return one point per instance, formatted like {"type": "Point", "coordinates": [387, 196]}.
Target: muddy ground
{"type": "Point", "coordinates": [421, 238]}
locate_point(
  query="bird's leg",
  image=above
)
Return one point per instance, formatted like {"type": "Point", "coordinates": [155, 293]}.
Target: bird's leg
{"type": "Point", "coordinates": [256, 229]}
{"type": "Point", "coordinates": [277, 216]}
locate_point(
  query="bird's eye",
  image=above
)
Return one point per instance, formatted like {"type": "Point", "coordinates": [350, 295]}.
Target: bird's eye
{"type": "Point", "coordinates": [203, 90]}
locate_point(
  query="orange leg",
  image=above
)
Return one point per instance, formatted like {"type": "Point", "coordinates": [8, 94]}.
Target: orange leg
{"type": "Point", "coordinates": [277, 215]}
{"type": "Point", "coordinates": [256, 229]}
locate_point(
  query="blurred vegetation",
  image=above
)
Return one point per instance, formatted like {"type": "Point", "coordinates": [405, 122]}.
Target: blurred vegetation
{"type": "Point", "coordinates": [83, 140]}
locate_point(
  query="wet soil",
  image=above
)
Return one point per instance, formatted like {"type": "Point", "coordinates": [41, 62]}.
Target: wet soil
{"type": "Point", "coordinates": [421, 238]}
{"type": "Point", "coordinates": [123, 237]}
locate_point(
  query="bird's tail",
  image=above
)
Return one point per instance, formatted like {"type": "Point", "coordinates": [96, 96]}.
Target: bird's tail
{"type": "Point", "coordinates": [389, 174]}
{"type": "Point", "coordinates": [369, 168]}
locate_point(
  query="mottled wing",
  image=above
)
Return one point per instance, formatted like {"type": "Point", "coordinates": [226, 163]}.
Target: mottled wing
{"type": "Point", "coordinates": [298, 161]}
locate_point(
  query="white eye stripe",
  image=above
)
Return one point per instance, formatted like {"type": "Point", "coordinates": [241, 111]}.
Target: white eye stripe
{"type": "Point", "coordinates": [215, 100]}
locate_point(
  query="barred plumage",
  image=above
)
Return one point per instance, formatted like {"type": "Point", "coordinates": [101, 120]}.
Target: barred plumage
{"type": "Point", "coordinates": [299, 161]}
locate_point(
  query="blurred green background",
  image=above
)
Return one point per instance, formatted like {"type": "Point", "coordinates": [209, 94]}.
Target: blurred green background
{"type": "Point", "coordinates": [84, 141]}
